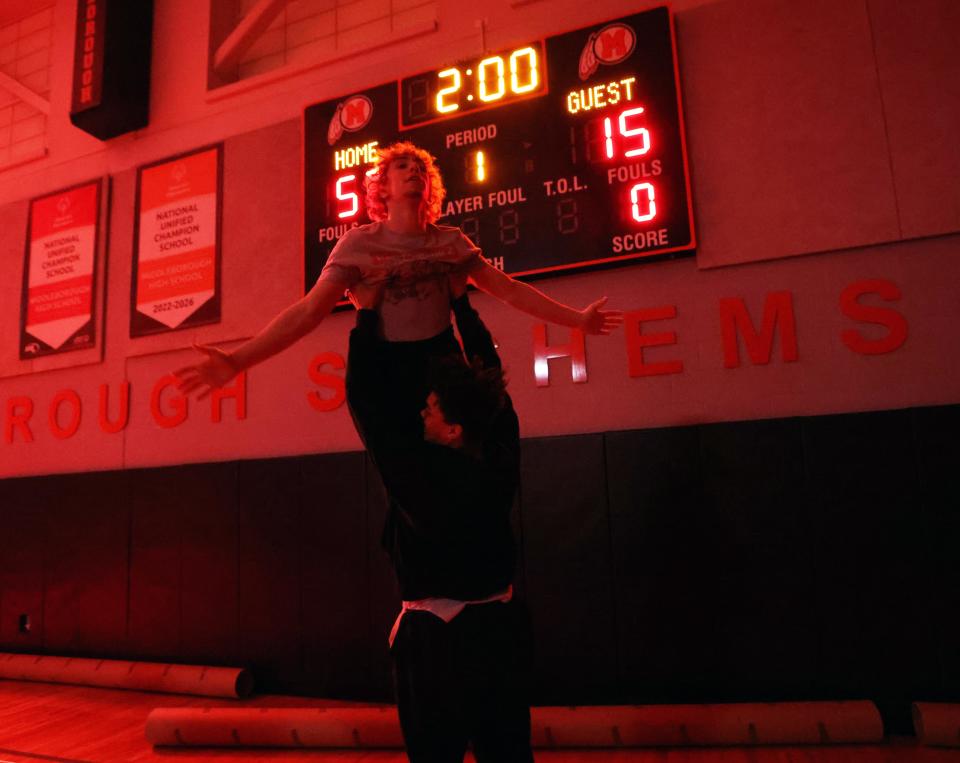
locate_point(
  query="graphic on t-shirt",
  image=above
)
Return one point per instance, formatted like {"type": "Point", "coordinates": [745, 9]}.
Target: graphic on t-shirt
{"type": "Point", "coordinates": [414, 269]}
{"type": "Point", "coordinates": [417, 279]}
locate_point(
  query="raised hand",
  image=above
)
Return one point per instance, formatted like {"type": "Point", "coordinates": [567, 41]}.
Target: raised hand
{"type": "Point", "coordinates": [211, 373]}
{"type": "Point", "coordinates": [598, 321]}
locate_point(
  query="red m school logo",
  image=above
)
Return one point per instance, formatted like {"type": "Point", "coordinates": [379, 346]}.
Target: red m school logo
{"type": "Point", "coordinates": [611, 45]}
{"type": "Point", "coordinates": [351, 115]}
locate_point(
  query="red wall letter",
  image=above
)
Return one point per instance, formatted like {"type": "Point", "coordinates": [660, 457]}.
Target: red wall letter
{"type": "Point", "coordinates": [63, 396]}
{"type": "Point", "coordinates": [895, 322]}
{"type": "Point", "coordinates": [112, 427]}
{"type": "Point", "coordinates": [329, 381]}
{"type": "Point", "coordinates": [19, 419]}
{"type": "Point", "coordinates": [238, 391]}
{"type": "Point", "coordinates": [179, 404]}
{"type": "Point", "coordinates": [777, 312]}
{"type": "Point", "coordinates": [575, 350]}
{"type": "Point", "coordinates": [637, 340]}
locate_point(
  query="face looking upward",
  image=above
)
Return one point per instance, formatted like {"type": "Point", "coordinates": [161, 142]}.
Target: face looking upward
{"type": "Point", "coordinates": [406, 178]}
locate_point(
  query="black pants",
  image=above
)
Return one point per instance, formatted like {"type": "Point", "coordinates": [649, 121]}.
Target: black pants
{"type": "Point", "coordinates": [464, 681]}
{"type": "Point", "coordinates": [406, 368]}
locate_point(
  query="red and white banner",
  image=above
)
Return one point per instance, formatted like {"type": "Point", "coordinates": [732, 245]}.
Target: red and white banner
{"type": "Point", "coordinates": [176, 265]}
{"type": "Point", "coordinates": [57, 308]}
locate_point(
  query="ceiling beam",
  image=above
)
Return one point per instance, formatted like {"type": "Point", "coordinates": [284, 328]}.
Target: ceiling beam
{"type": "Point", "coordinates": [24, 93]}
{"type": "Point", "coordinates": [250, 28]}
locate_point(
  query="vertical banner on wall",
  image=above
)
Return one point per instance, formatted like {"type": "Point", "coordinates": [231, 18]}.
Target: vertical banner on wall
{"type": "Point", "coordinates": [59, 277]}
{"type": "Point", "coordinates": [176, 262]}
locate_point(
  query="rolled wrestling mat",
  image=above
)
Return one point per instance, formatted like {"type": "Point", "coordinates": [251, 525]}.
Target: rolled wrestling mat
{"type": "Point", "coordinates": [706, 725]}
{"type": "Point", "coordinates": [937, 723]}
{"type": "Point", "coordinates": [122, 674]}
{"type": "Point", "coordinates": [334, 727]}
{"type": "Point", "coordinates": [552, 727]}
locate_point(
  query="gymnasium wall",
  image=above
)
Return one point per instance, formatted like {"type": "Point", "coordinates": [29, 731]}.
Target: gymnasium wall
{"type": "Point", "coordinates": [749, 497]}
{"type": "Point", "coordinates": [822, 167]}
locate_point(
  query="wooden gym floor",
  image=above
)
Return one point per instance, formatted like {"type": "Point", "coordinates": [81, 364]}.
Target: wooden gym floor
{"type": "Point", "coordinates": [51, 723]}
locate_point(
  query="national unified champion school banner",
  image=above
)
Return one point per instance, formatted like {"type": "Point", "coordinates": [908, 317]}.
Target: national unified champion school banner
{"type": "Point", "coordinates": [56, 313]}
{"type": "Point", "coordinates": [176, 263]}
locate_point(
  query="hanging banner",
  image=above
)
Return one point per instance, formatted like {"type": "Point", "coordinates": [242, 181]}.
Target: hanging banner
{"type": "Point", "coordinates": [176, 263]}
{"type": "Point", "coordinates": [59, 275]}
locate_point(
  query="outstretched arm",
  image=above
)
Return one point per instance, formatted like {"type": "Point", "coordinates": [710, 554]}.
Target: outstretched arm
{"type": "Point", "coordinates": [592, 319]}
{"type": "Point", "coordinates": [219, 367]}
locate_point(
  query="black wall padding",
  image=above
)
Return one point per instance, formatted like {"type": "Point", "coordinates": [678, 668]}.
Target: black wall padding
{"type": "Point", "coordinates": [809, 558]}
{"type": "Point", "coordinates": [664, 611]}
{"type": "Point", "coordinates": [334, 558]}
{"type": "Point", "coordinates": [760, 574]}
{"type": "Point", "coordinates": [270, 530]}
{"type": "Point", "coordinates": [183, 570]}
{"type": "Point", "coordinates": [22, 503]}
{"type": "Point", "coordinates": [209, 562]}
{"type": "Point", "coordinates": [872, 564]}
{"type": "Point", "coordinates": [85, 565]}
{"type": "Point", "coordinates": [938, 457]}
{"type": "Point", "coordinates": [568, 568]}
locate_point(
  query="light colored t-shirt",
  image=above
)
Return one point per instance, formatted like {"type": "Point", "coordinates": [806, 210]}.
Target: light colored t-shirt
{"type": "Point", "coordinates": [416, 302]}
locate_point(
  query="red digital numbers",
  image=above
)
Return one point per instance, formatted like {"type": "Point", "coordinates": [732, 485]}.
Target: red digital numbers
{"type": "Point", "coordinates": [643, 202]}
{"type": "Point", "coordinates": [347, 197]}
{"type": "Point", "coordinates": [633, 140]}
{"type": "Point", "coordinates": [640, 135]}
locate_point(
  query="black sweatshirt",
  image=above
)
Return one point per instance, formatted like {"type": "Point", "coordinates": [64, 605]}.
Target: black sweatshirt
{"type": "Point", "coordinates": [448, 525]}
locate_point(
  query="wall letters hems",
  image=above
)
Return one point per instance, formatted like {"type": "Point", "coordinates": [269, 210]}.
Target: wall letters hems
{"type": "Point", "coordinates": [643, 329]}
{"type": "Point", "coordinates": [777, 327]}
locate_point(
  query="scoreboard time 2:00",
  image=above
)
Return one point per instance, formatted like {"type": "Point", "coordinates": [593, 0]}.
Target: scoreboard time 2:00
{"type": "Point", "coordinates": [557, 154]}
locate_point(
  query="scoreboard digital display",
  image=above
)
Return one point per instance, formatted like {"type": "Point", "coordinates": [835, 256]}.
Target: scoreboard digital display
{"type": "Point", "coordinates": [556, 154]}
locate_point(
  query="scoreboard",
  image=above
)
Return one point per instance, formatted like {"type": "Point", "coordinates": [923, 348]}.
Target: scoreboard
{"type": "Point", "coordinates": [557, 154]}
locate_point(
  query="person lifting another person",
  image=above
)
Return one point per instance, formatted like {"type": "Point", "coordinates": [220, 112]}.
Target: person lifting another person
{"type": "Point", "coordinates": [445, 439]}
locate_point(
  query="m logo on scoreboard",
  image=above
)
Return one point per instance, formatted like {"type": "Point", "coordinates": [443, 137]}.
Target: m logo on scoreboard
{"type": "Point", "coordinates": [351, 115]}
{"type": "Point", "coordinates": [611, 45]}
